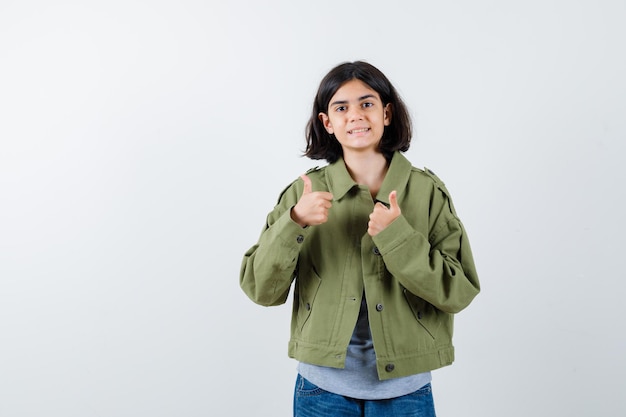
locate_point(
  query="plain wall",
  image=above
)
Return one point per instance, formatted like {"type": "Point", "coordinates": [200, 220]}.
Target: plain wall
{"type": "Point", "coordinates": [144, 142]}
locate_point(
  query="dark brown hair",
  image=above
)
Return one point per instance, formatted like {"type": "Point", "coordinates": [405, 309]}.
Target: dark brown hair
{"type": "Point", "coordinates": [396, 137]}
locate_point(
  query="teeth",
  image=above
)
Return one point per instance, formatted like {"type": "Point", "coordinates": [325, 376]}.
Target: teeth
{"type": "Point", "coordinates": [359, 130]}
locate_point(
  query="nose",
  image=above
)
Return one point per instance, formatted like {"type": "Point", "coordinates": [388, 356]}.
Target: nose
{"type": "Point", "coordinates": [355, 113]}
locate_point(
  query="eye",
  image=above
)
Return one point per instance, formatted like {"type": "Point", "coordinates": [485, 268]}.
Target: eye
{"type": "Point", "coordinates": [367, 104]}
{"type": "Point", "coordinates": [340, 108]}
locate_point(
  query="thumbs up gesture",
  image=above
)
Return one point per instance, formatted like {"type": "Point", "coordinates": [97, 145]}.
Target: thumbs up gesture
{"type": "Point", "coordinates": [382, 216]}
{"type": "Point", "coordinates": [312, 207]}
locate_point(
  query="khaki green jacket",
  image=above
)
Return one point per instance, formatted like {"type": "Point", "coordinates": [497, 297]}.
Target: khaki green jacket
{"type": "Point", "coordinates": [415, 274]}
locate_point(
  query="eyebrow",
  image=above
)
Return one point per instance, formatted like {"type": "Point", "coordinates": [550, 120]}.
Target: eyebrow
{"type": "Point", "coordinates": [346, 101]}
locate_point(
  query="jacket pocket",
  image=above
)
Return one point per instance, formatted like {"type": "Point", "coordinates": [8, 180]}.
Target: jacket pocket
{"type": "Point", "coordinates": [425, 313]}
{"type": "Point", "coordinates": [307, 285]}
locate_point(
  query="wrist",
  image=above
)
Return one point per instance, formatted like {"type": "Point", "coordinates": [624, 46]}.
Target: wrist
{"type": "Point", "coordinates": [295, 218]}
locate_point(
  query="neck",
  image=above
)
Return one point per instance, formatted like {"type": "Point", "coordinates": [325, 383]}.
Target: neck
{"type": "Point", "coordinates": [367, 169]}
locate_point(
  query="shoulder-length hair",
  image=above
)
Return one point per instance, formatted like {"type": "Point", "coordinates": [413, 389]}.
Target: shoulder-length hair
{"type": "Point", "coordinates": [396, 137]}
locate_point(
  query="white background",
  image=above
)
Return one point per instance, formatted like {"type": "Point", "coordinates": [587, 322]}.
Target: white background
{"type": "Point", "coordinates": [143, 143]}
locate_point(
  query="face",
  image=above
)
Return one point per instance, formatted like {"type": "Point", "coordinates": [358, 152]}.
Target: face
{"type": "Point", "coordinates": [357, 117]}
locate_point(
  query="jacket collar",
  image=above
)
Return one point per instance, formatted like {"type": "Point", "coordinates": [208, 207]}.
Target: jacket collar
{"type": "Point", "coordinates": [340, 182]}
{"type": "Point", "coordinates": [397, 177]}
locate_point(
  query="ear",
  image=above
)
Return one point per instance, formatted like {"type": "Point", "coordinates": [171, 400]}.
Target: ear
{"type": "Point", "coordinates": [387, 114]}
{"type": "Point", "coordinates": [326, 122]}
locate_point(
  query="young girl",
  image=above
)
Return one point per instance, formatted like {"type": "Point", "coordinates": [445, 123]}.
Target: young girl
{"type": "Point", "coordinates": [381, 261]}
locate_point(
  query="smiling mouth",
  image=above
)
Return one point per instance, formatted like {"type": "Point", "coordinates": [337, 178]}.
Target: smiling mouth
{"type": "Point", "coordinates": [365, 129]}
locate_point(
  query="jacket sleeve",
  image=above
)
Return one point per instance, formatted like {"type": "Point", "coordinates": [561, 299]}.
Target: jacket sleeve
{"type": "Point", "coordinates": [268, 268]}
{"type": "Point", "coordinates": [438, 268]}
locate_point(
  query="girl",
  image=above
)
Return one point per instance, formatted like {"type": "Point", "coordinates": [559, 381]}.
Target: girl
{"type": "Point", "coordinates": [381, 261]}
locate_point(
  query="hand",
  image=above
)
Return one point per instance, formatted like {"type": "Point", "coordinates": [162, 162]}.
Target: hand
{"type": "Point", "coordinates": [312, 208]}
{"type": "Point", "coordinates": [382, 216]}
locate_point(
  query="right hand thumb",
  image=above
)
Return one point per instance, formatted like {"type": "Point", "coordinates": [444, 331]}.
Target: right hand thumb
{"type": "Point", "coordinates": [308, 188]}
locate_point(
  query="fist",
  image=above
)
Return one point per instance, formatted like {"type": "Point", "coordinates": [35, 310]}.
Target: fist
{"type": "Point", "coordinates": [382, 216]}
{"type": "Point", "coordinates": [312, 207]}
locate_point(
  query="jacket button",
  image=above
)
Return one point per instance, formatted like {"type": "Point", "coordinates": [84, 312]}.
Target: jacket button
{"type": "Point", "coordinates": [390, 367]}
{"type": "Point", "coordinates": [300, 239]}
{"type": "Point", "coordinates": [376, 251]}
{"type": "Point", "coordinates": [379, 307]}
{"type": "Point", "coordinates": [308, 306]}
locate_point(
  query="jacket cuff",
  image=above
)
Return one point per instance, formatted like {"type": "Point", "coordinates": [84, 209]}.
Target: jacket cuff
{"type": "Point", "coordinates": [394, 235]}
{"type": "Point", "coordinates": [290, 232]}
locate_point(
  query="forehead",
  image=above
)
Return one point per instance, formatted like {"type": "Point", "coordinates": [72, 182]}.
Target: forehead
{"type": "Point", "coordinates": [353, 90]}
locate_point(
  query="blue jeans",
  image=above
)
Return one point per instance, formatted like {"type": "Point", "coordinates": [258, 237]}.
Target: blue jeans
{"type": "Point", "coordinates": [311, 401]}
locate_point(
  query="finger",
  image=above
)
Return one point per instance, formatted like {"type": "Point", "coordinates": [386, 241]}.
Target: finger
{"type": "Point", "coordinates": [372, 229]}
{"type": "Point", "coordinates": [380, 206]}
{"type": "Point", "coordinates": [308, 187]}
{"type": "Point", "coordinates": [326, 196]}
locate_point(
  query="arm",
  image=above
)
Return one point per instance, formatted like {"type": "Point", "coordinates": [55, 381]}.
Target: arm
{"type": "Point", "coordinates": [269, 267]}
{"type": "Point", "coordinates": [438, 268]}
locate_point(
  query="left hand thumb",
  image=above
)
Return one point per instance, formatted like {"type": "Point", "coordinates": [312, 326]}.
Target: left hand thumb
{"type": "Point", "coordinates": [393, 201]}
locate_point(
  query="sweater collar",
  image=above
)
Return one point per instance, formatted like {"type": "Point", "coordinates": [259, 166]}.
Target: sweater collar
{"type": "Point", "coordinates": [340, 182]}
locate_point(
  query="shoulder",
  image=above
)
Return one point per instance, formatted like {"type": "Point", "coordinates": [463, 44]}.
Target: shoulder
{"type": "Point", "coordinates": [315, 171]}
{"type": "Point", "coordinates": [422, 176]}
{"type": "Point", "coordinates": [427, 177]}
{"type": "Point", "coordinates": [294, 188]}
{"type": "Point", "coordinates": [439, 191]}
{"type": "Point", "coordinates": [430, 175]}
{"type": "Point", "coordinates": [425, 174]}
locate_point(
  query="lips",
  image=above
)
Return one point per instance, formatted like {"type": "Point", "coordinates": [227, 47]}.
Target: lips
{"type": "Point", "coordinates": [360, 130]}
